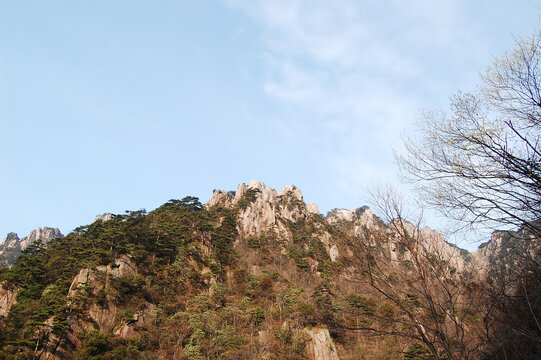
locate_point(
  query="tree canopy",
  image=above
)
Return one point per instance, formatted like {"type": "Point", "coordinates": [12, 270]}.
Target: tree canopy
{"type": "Point", "coordinates": [480, 163]}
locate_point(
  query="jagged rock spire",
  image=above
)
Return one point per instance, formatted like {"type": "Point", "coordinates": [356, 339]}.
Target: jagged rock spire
{"type": "Point", "coordinates": [11, 246]}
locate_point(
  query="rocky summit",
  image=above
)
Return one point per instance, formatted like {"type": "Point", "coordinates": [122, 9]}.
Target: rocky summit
{"type": "Point", "coordinates": [254, 273]}
{"type": "Point", "coordinates": [12, 247]}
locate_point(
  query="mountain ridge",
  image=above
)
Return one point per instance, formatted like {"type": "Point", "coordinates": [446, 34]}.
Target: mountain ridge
{"type": "Point", "coordinates": [252, 274]}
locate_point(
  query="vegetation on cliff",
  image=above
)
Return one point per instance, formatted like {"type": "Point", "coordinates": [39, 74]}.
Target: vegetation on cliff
{"type": "Point", "coordinates": [258, 274]}
{"type": "Point", "coordinates": [184, 282]}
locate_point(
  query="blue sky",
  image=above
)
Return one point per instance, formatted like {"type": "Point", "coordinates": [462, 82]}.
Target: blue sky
{"type": "Point", "coordinates": [109, 106]}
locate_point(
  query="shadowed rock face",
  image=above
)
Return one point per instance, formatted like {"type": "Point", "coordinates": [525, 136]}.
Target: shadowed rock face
{"type": "Point", "coordinates": [7, 299]}
{"type": "Point", "coordinates": [12, 247]}
{"type": "Point", "coordinates": [507, 250]}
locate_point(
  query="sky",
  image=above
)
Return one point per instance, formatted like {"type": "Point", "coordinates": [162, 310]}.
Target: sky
{"type": "Point", "coordinates": [107, 106]}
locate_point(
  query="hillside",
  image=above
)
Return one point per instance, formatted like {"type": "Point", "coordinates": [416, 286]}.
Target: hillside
{"type": "Point", "coordinates": [253, 274]}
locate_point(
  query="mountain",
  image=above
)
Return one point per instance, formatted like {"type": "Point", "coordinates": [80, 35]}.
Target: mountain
{"type": "Point", "coordinates": [12, 247]}
{"type": "Point", "coordinates": [508, 250]}
{"type": "Point", "coordinates": [254, 273]}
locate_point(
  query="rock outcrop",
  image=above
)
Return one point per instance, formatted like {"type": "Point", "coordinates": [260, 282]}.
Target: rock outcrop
{"type": "Point", "coordinates": [429, 240]}
{"type": "Point", "coordinates": [361, 217]}
{"type": "Point", "coordinates": [436, 244]}
{"type": "Point", "coordinates": [263, 209]}
{"type": "Point", "coordinates": [10, 241]}
{"type": "Point", "coordinates": [361, 222]}
{"type": "Point", "coordinates": [104, 217]}
{"type": "Point", "coordinates": [12, 247]}
{"type": "Point", "coordinates": [7, 299]}
{"type": "Point", "coordinates": [94, 280]}
{"type": "Point", "coordinates": [319, 344]}
{"type": "Point", "coordinates": [102, 314]}
{"type": "Point", "coordinates": [44, 234]}
{"type": "Point", "coordinates": [506, 249]}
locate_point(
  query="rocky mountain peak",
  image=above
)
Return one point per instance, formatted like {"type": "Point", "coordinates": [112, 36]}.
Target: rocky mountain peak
{"type": "Point", "coordinates": [291, 190]}
{"type": "Point", "coordinates": [12, 247]}
{"type": "Point", "coordinates": [254, 190]}
{"type": "Point", "coordinates": [9, 240]}
{"type": "Point", "coordinates": [262, 208]}
{"type": "Point", "coordinates": [104, 217]}
{"type": "Point", "coordinates": [256, 253]}
{"type": "Point", "coordinates": [506, 249]}
{"type": "Point", "coordinates": [362, 217]}
{"type": "Point", "coordinates": [44, 234]}
{"type": "Point", "coordinates": [255, 184]}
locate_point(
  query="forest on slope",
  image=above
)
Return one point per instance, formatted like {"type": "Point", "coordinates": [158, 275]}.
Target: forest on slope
{"type": "Point", "coordinates": [255, 274]}
{"type": "Point", "coordinates": [259, 274]}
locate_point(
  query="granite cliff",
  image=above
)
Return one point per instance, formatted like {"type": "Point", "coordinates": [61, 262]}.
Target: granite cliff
{"type": "Point", "coordinates": [12, 247]}
{"type": "Point", "coordinates": [255, 273]}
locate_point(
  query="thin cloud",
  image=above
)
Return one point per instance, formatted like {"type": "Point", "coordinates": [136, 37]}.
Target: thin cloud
{"type": "Point", "coordinates": [356, 73]}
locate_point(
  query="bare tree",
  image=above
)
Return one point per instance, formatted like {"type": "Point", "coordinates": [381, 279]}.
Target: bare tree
{"type": "Point", "coordinates": [480, 164]}
{"type": "Point", "coordinates": [429, 300]}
